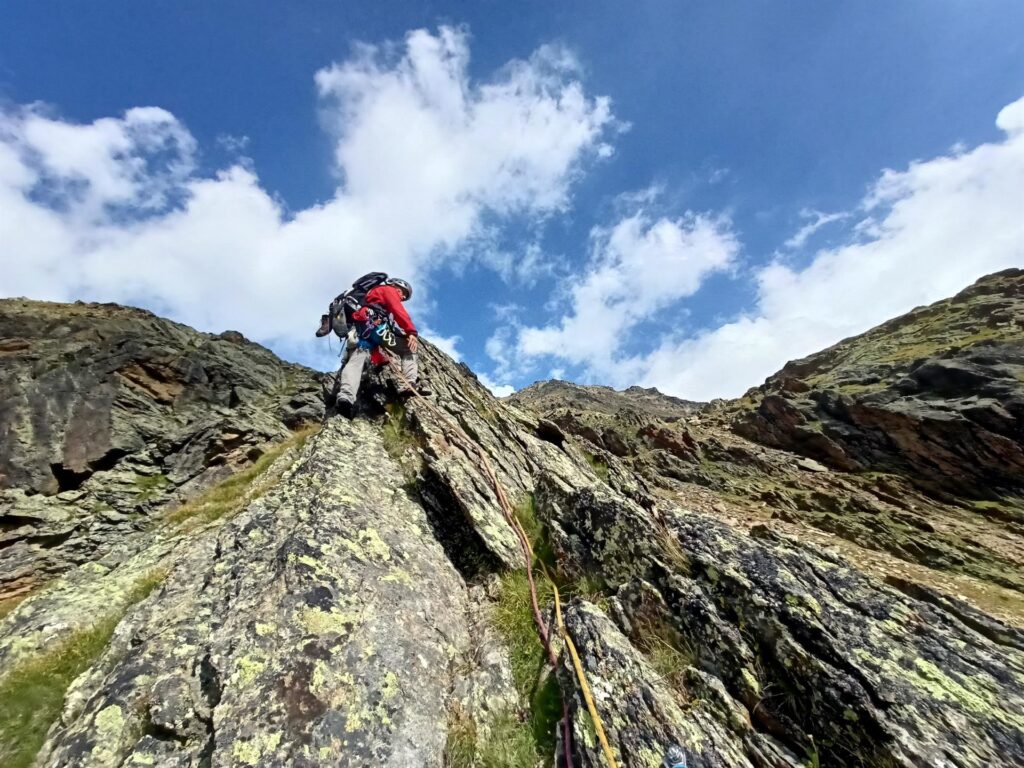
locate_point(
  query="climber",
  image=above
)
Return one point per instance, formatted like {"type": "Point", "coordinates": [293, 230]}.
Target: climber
{"type": "Point", "coordinates": [380, 322]}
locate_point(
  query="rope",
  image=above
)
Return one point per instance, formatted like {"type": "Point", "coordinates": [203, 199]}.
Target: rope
{"type": "Point", "coordinates": [581, 675]}
{"type": "Point", "coordinates": [524, 543]}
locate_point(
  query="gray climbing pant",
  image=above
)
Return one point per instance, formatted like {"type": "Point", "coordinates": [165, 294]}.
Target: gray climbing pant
{"type": "Point", "coordinates": [352, 371]}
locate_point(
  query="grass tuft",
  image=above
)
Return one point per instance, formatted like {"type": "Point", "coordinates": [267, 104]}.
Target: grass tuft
{"type": "Point", "coordinates": [507, 744]}
{"type": "Point", "coordinates": [150, 486]}
{"type": "Point", "coordinates": [591, 588]}
{"type": "Point", "coordinates": [228, 497]}
{"type": "Point", "coordinates": [395, 434]}
{"type": "Point", "coordinates": [668, 656]}
{"type": "Point", "coordinates": [32, 693]}
{"type": "Point", "coordinates": [460, 747]}
{"type": "Point", "coordinates": [513, 618]}
{"type": "Point", "coordinates": [599, 465]}
{"type": "Point", "coordinates": [536, 532]}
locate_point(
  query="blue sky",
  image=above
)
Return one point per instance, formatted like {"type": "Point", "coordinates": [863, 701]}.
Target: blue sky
{"type": "Point", "coordinates": [607, 192]}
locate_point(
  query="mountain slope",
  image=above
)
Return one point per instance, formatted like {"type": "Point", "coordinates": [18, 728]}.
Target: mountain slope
{"type": "Point", "coordinates": [108, 414]}
{"type": "Point", "coordinates": [366, 606]}
{"type": "Point", "coordinates": [782, 454]}
{"type": "Point", "coordinates": [936, 395]}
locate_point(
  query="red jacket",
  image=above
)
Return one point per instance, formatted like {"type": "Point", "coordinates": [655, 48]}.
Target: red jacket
{"type": "Point", "coordinates": [390, 298]}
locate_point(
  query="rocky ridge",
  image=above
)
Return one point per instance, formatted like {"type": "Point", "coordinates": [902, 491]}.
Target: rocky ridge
{"type": "Point", "coordinates": [759, 460]}
{"type": "Point", "coordinates": [936, 395]}
{"type": "Point", "coordinates": [108, 414]}
{"type": "Point", "coordinates": [352, 617]}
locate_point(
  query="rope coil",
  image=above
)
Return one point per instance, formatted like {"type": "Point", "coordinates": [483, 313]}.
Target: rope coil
{"type": "Point", "coordinates": [527, 549]}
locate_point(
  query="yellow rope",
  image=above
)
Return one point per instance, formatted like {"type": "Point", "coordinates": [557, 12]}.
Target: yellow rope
{"type": "Point", "coordinates": [524, 541]}
{"type": "Point", "coordinates": [581, 675]}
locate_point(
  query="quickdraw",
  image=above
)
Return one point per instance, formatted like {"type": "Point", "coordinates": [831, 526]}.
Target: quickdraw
{"type": "Point", "coordinates": [379, 330]}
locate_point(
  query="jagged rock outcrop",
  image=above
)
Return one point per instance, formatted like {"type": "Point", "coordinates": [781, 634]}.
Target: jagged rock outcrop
{"type": "Point", "coordinates": [936, 395]}
{"type": "Point", "coordinates": [347, 614]}
{"type": "Point", "coordinates": [804, 451]}
{"type": "Point", "coordinates": [108, 413]}
{"type": "Point", "coordinates": [811, 654]}
{"type": "Point", "coordinates": [324, 623]}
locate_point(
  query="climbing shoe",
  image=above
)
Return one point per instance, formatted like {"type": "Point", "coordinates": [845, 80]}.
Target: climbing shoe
{"type": "Point", "coordinates": [325, 326]}
{"type": "Point", "coordinates": [346, 409]}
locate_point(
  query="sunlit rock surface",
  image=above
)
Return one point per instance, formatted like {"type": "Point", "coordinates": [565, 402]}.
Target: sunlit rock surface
{"type": "Point", "coordinates": [755, 605]}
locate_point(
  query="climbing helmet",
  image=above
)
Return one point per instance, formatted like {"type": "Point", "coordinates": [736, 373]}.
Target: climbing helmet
{"type": "Point", "coordinates": [402, 285]}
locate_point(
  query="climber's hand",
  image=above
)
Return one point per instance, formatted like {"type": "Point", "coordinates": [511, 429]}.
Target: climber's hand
{"type": "Point", "coordinates": [414, 343]}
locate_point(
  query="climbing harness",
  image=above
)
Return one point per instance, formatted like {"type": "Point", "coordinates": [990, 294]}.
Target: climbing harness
{"type": "Point", "coordinates": [378, 329]}
{"type": "Point", "coordinates": [527, 549]}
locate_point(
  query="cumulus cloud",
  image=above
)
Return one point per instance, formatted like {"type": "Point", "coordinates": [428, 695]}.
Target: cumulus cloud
{"type": "Point", "coordinates": [116, 210]}
{"type": "Point", "coordinates": [638, 267]}
{"type": "Point", "coordinates": [923, 233]}
{"type": "Point", "coordinates": [920, 234]}
{"type": "Point", "coordinates": [498, 390]}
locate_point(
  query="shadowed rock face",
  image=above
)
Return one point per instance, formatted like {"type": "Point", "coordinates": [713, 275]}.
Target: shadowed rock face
{"type": "Point", "coordinates": [345, 616]}
{"type": "Point", "coordinates": [108, 413]}
{"type": "Point", "coordinates": [816, 653]}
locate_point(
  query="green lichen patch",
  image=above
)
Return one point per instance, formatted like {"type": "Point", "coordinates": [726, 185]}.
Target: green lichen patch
{"type": "Point", "coordinates": [31, 695]}
{"type": "Point", "coordinates": [230, 496]}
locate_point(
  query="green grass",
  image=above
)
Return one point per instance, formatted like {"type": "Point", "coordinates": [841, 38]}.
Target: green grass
{"type": "Point", "coordinates": [599, 465]}
{"type": "Point", "coordinates": [667, 654]}
{"type": "Point", "coordinates": [395, 434]}
{"type": "Point", "coordinates": [150, 486]}
{"type": "Point", "coordinates": [813, 759]}
{"type": "Point", "coordinates": [32, 694]}
{"type": "Point", "coordinates": [526, 514]}
{"type": "Point", "coordinates": [460, 748]}
{"type": "Point", "coordinates": [508, 744]}
{"type": "Point", "coordinates": [513, 618]}
{"type": "Point", "coordinates": [590, 587]}
{"type": "Point", "coordinates": [229, 496]}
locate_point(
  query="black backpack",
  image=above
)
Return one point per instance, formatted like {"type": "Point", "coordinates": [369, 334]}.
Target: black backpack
{"type": "Point", "coordinates": [341, 309]}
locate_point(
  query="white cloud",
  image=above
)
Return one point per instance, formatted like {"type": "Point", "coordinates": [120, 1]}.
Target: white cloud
{"type": "Point", "coordinates": [817, 221]}
{"type": "Point", "coordinates": [447, 344]}
{"type": "Point", "coordinates": [925, 233]}
{"type": "Point", "coordinates": [638, 267]}
{"type": "Point", "coordinates": [88, 170]}
{"type": "Point", "coordinates": [116, 210]}
{"type": "Point", "coordinates": [498, 390]}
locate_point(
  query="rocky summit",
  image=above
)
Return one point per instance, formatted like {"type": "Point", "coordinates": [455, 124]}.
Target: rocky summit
{"type": "Point", "coordinates": [201, 566]}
